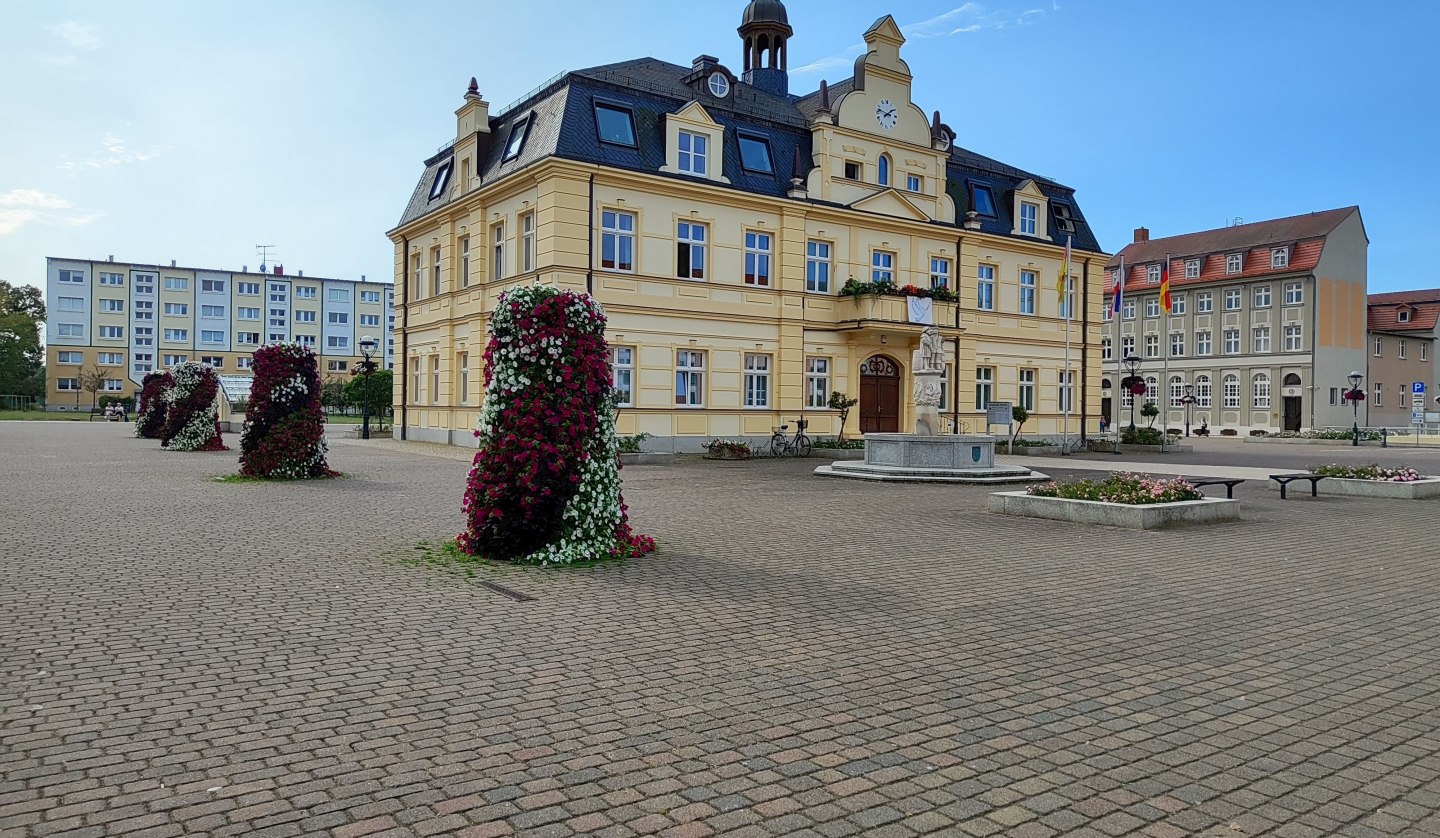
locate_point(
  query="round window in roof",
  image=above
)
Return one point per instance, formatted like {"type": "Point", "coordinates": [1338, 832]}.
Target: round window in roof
{"type": "Point", "coordinates": [719, 85]}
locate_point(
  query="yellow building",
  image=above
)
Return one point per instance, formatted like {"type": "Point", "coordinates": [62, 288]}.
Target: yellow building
{"type": "Point", "coordinates": [724, 224]}
{"type": "Point", "coordinates": [126, 319]}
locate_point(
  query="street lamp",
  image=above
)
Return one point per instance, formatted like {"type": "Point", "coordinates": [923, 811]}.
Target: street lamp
{"type": "Point", "coordinates": [1355, 395]}
{"type": "Point", "coordinates": [368, 345]}
{"type": "Point", "coordinates": [1132, 363]}
{"type": "Point", "coordinates": [1188, 399]}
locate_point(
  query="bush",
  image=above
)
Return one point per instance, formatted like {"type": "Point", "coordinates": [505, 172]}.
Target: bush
{"type": "Point", "coordinates": [191, 421]}
{"type": "Point", "coordinates": [729, 449]}
{"type": "Point", "coordinates": [1120, 487]}
{"type": "Point", "coordinates": [284, 431]}
{"type": "Point", "coordinates": [630, 444]}
{"type": "Point", "coordinates": [1142, 436]}
{"type": "Point", "coordinates": [150, 421]}
{"type": "Point", "coordinates": [1027, 443]}
{"type": "Point", "coordinates": [834, 443]}
{"type": "Point", "coordinates": [127, 402]}
{"type": "Point", "coordinates": [1403, 474]}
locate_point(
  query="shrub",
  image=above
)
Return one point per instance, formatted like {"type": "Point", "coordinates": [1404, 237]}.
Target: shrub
{"type": "Point", "coordinates": [1026, 443]}
{"type": "Point", "coordinates": [835, 443]}
{"type": "Point", "coordinates": [729, 449]}
{"type": "Point", "coordinates": [127, 402]}
{"type": "Point", "coordinates": [630, 444]}
{"type": "Point", "coordinates": [545, 485]}
{"type": "Point", "coordinates": [1142, 436]}
{"type": "Point", "coordinates": [191, 421]}
{"type": "Point", "coordinates": [150, 421]}
{"type": "Point", "coordinates": [284, 431]}
{"type": "Point", "coordinates": [1404, 474]}
{"type": "Point", "coordinates": [1120, 487]}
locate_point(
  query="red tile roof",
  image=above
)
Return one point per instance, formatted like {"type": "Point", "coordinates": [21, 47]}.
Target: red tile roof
{"type": "Point", "coordinates": [1232, 239]}
{"type": "Point", "coordinates": [1385, 316]}
{"type": "Point", "coordinates": [1428, 295]}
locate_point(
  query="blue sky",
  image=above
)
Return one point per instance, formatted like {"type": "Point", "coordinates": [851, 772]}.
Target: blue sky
{"type": "Point", "coordinates": [195, 131]}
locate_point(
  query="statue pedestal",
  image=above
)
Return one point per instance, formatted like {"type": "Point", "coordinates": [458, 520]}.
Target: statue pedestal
{"type": "Point", "coordinates": [923, 458]}
{"type": "Point", "coordinates": [927, 401]}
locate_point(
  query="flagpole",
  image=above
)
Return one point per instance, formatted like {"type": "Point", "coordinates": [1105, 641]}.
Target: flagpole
{"type": "Point", "coordinates": [1065, 372]}
{"type": "Point", "coordinates": [1116, 349]}
{"type": "Point", "coordinates": [1165, 346]}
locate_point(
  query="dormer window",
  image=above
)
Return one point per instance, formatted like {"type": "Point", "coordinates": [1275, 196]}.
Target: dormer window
{"type": "Point", "coordinates": [1234, 263]}
{"type": "Point", "coordinates": [1028, 213]}
{"type": "Point", "coordinates": [1402, 316]}
{"type": "Point", "coordinates": [442, 178]}
{"type": "Point", "coordinates": [1152, 274]}
{"type": "Point", "coordinates": [616, 124]}
{"type": "Point", "coordinates": [883, 170]}
{"type": "Point", "coordinates": [852, 170]}
{"type": "Point", "coordinates": [1192, 268]}
{"type": "Point", "coordinates": [982, 200]}
{"type": "Point", "coordinates": [719, 85]}
{"type": "Point", "coordinates": [517, 139]}
{"type": "Point", "coordinates": [755, 153]}
{"type": "Point", "coordinates": [1280, 257]}
{"type": "Point", "coordinates": [694, 153]}
{"type": "Point", "coordinates": [1064, 221]}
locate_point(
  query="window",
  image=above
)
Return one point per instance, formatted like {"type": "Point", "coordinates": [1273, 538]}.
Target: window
{"type": "Point", "coordinates": [177, 283]}
{"type": "Point", "coordinates": [338, 318]}
{"type": "Point", "coordinates": [417, 281]}
{"type": "Point", "coordinates": [1202, 343]}
{"type": "Point", "coordinates": [67, 384]}
{"type": "Point", "coordinates": [497, 250]}
{"type": "Point", "coordinates": [689, 378]}
{"type": "Point", "coordinates": [1400, 347]}
{"type": "Point", "coordinates": [1280, 257]}
{"type": "Point", "coordinates": [247, 313]}
{"type": "Point", "coordinates": [244, 362]}
{"type": "Point", "coordinates": [144, 336]}
{"type": "Point", "coordinates": [1261, 296]}
{"type": "Point", "coordinates": [464, 267]}
{"type": "Point", "coordinates": [1233, 264]}
{"type": "Point", "coordinates": [616, 124]}
{"type": "Point", "coordinates": [1152, 306]}
{"type": "Point", "coordinates": [617, 240]}
{"type": "Point", "coordinates": [1177, 304]}
{"type": "Point", "coordinates": [214, 286]}
{"type": "Point", "coordinates": [70, 304]}
{"type": "Point", "coordinates": [1192, 268]}
{"type": "Point", "coordinates": [622, 374]}
{"type": "Point", "coordinates": [247, 338]}
{"type": "Point", "coordinates": [112, 279]}
{"type": "Point", "coordinates": [177, 309]}
{"type": "Point", "coordinates": [175, 335]}
{"type": "Point", "coordinates": [277, 337]}
{"type": "Point", "coordinates": [338, 295]}
{"type": "Point", "coordinates": [1127, 346]}
{"type": "Point", "coordinates": [1067, 391]}
{"type": "Point", "coordinates": [1292, 339]}
{"type": "Point", "coordinates": [216, 361]}
{"type": "Point", "coordinates": [337, 366]}
{"type": "Point", "coordinates": [690, 250]}
{"type": "Point", "coordinates": [112, 332]}
{"type": "Point", "coordinates": [247, 288]}
{"type": "Point", "coordinates": [853, 170]}
{"type": "Point", "coordinates": [882, 167]}
{"type": "Point", "coordinates": [1402, 316]}
{"type": "Point", "coordinates": [882, 266]}
{"type": "Point", "coordinates": [817, 382]}
{"type": "Point", "coordinates": [1128, 307]}
{"type": "Point", "coordinates": [817, 266]}
{"type": "Point", "coordinates": [114, 385]}
{"type": "Point", "coordinates": [1232, 341]}
{"type": "Point", "coordinates": [1107, 312]}
{"type": "Point", "coordinates": [1204, 302]}
{"type": "Point", "coordinates": [518, 130]}
{"type": "Point", "coordinates": [982, 200]}
{"type": "Point", "coordinates": [1202, 391]}
{"type": "Point", "coordinates": [335, 342]}
{"type": "Point", "coordinates": [304, 317]}
{"type": "Point", "coordinates": [914, 183]}
{"type": "Point", "coordinates": [1177, 344]}
{"type": "Point", "coordinates": [144, 283]}
{"type": "Point", "coordinates": [442, 179]}
{"type": "Point", "coordinates": [527, 242]}
{"type": "Point", "coordinates": [1260, 390]}
{"type": "Point", "coordinates": [754, 153]}
{"type": "Point", "coordinates": [1294, 294]}
{"type": "Point", "coordinates": [719, 85]}
{"type": "Point", "coordinates": [1379, 394]}
{"type": "Point", "coordinates": [1064, 221]}
{"type": "Point", "coordinates": [1067, 303]}
{"type": "Point", "coordinates": [1230, 391]}
{"type": "Point", "coordinates": [1232, 299]}
{"type": "Point", "coordinates": [415, 380]}
{"type": "Point", "coordinates": [984, 386]}
{"type": "Point", "coordinates": [278, 292]}
{"type": "Point", "coordinates": [1152, 388]}
{"type": "Point", "coordinates": [1152, 346]}
{"type": "Point", "coordinates": [112, 358]}
{"type": "Point", "coordinates": [145, 310]}
{"type": "Point", "coordinates": [211, 336]}
{"type": "Point", "coordinates": [307, 341]}
{"type": "Point", "coordinates": [1028, 214]}
{"type": "Point", "coordinates": [70, 358]}
{"type": "Point", "coordinates": [1107, 349]}
{"type": "Point", "coordinates": [1027, 292]}
{"type": "Point", "coordinates": [306, 292]}
{"type": "Point", "coordinates": [1152, 274]}
{"type": "Point", "coordinates": [757, 380]}
{"type": "Point", "coordinates": [985, 288]}
{"type": "Point", "coordinates": [72, 277]}
{"type": "Point", "coordinates": [1379, 346]}
{"type": "Point", "coordinates": [434, 379]}
{"type": "Point", "coordinates": [1260, 339]}
{"type": "Point", "coordinates": [1424, 351]}
{"type": "Point", "coordinates": [694, 153]}
{"type": "Point", "coordinates": [1177, 391]}
{"type": "Point", "coordinates": [1027, 390]}
{"type": "Point", "coordinates": [435, 288]}
{"type": "Point", "coordinates": [370, 320]}
{"type": "Point", "coordinates": [212, 312]}
{"type": "Point", "coordinates": [757, 258]}
{"type": "Point", "coordinates": [370, 296]}
{"type": "Point", "coordinates": [175, 360]}
{"type": "Point", "coordinates": [144, 362]}
{"type": "Point", "coordinates": [939, 273]}
{"type": "Point", "coordinates": [277, 317]}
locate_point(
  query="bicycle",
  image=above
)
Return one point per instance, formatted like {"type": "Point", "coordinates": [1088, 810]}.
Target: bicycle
{"type": "Point", "coordinates": [798, 445]}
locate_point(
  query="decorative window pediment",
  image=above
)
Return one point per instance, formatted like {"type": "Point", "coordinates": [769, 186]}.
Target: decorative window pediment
{"type": "Point", "coordinates": [890, 202]}
{"type": "Point", "coordinates": [681, 156]}
{"type": "Point", "coordinates": [1030, 211]}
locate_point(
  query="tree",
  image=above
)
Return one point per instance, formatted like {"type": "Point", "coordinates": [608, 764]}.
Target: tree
{"type": "Point", "coordinates": [380, 389]}
{"type": "Point", "coordinates": [332, 392]}
{"type": "Point", "coordinates": [1150, 411]}
{"type": "Point", "coordinates": [22, 359]}
{"type": "Point", "coordinates": [92, 381]}
{"type": "Point", "coordinates": [1019, 414]}
{"type": "Point", "coordinates": [841, 402]}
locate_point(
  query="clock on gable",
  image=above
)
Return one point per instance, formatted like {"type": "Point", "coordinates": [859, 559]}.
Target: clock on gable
{"type": "Point", "coordinates": [886, 114]}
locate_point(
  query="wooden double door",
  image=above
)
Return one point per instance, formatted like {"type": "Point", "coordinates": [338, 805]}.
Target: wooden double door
{"type": "Point", "coordinates": [879, 395]}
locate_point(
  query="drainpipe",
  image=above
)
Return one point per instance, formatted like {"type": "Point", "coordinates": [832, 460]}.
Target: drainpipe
{"type": "Point", "coordinates": [1084, 333]}
{"type": "Point", "coordinates": [404, 336]}
{"type": "Point", "coordinates": [955, 368]}
{"type": "Point", "coordinates": [590, 259]}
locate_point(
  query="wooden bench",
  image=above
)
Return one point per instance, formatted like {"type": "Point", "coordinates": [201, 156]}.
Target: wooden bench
{"type": "Point", "coordinates": [1228, 482]}
{"type": "Point", "coordinates": [1286, 479]}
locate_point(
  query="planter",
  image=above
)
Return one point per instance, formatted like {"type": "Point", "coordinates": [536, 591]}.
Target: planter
{"type": "Point", "coordinates": [729, 456]}
{"type": "Point", "coordinates": [838, 453]}
{"type": "Point", "coordinates": [1303, 441]}
{"type": "Point", "coordinates": [1130, 448]}
{"type": "Point", "coordinates": [647, 458]}
{"type": "Point", "coordinates": [1135, 517]}
{"type": "Point", "coordinates": [1028, 450]}
{"type": "Point", "coordinates": [1429, 487]}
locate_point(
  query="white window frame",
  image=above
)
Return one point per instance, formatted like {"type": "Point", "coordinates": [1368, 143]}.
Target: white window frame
{"type": "Point", "coordinates": [622, 368]}
{"type": "Point", "coordinates": [1152, 306]}
{"type": "Point", "coordinates": [1260, 296]}
{"type": "Point", "coordinates": [1152, 274]}
{"type": "Point", "coordinates": [1202, 390]}
{"type": "Point", "coordinates": [1279, 257]}
{"type": "Point", "coordinates": [497, 250]}
{"type": "Point", "coordinates": [1152, 345]}
{"type": "Point", "coordinates": [527, 242]}
{"type": "Point", "coordinates": [615, 235]}
{"type": "Point", "coordinates": [817, 266]}
{"type": "Point", "coordinates": [1234, 263]}
{"type": "Point", "coordinates": [1231, 338]}
{"type": "Point", "coordinates": [1127, 346]}
{"type": "Point", "coordinates": [1230, 391]}
{"type": "Point", "coordinates": [1029, 216]}
{"type": "Point", "coordinates": [114, 359]}
{"type": "Point", "coordinates": [1177, 305]}
{"type": "Point", "coordinates": [112, 332]}
{"type": "Point", "coordinates": [692, 152]}
{"type": "Point", "coordinates": [1025, 389]}
{"type": "Point", "coordinates": [1028, 282]}
{"type": "Point", "coordinates": [758, 258]}
{"type": "Point", "coordinates": [914, 183]}
{"type": "Point", "coordinates": [1177, 344]}
{"type": "Point", "coordinates": [817, 382]}
{"type": "Point", "coordinates": [1192, 268]}
{"type": "Point", "coordinates": [1204, 344]}
{"type": "Point", "coordinates": [939, 273]}
{"type": "Point", "coordinates": [1260, 391]}
{"type": "Point", "coordinates": [462, 374]}
{"type": "Point", "coordinates": [1128, 309]}
{"type": "Point", "coordinates": [984, 387]}
{"type": "Point", "coordinates": [1177, 391]}
{"type": "Point", "coordinates": [882, 265]}
{"type": "Point", "coordinates": [1107, 349]}
{"type": "Point", "coordinates": [70, 304]}
{"type": "Point", "coordinates": [1260, 339]}
{"type": "Point", "coordinates": [1204, 302]}
{"type": "Point", "coordinates": [70, 357]}
{"type": "Point", "coordinates": [690, 378]}
{"type": "Point", "coordinates": [1233, 299]}
{"type": "Point", "coordinates": [1294, 338]}
{"type": "Point", "coordinates": [985, 287]}
{"type": "Point", "coordinates": [692, 241]}
{"type": "Point", "coordinates": [1067, 391]}
{"type": "Point", "coordinates": [112, 306]}
{"type": "Point", "coordinates": [757, 380]}
{"type": "Point", "coordinates": [1294, 293]}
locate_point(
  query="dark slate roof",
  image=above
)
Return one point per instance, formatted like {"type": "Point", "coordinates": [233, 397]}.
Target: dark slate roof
{"type": "Point", "coordinates": [563, 125]}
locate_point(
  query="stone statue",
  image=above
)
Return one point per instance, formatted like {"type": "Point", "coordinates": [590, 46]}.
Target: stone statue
{"type": "Point", "coordinates": [932, 350]}
{"type": "Point", "coordinates": [929, 370]}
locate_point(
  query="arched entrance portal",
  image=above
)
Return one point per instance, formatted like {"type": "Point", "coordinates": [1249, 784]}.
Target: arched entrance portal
{"type": "Point", "coordinates": [879, 395]}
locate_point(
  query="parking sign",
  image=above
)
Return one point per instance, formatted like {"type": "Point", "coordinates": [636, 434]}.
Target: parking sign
{"type": "Point", "coordinates": [1417, 388]}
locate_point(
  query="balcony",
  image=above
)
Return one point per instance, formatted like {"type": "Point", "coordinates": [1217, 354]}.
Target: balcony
{"type": "Point", "coordinates": [866, 309]}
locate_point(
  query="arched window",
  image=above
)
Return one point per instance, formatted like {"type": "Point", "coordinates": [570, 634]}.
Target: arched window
{"type": "Point", "coordinates": [1202, 391]}
{"type": "Point", "coordinates": [884, 167]}
{"type": "Point", "coordinates": [1104, 384]}
{"type": "Point", "coordinates": [1260, 390]}
{"type": "Point", "coordinates": [1292, 379]}
{"type": "Point", "coordinates": [1152, 388]}
{"type": "Point", "coordinates": [1230, 390]}
{"type": "Point", "coordinates": [1177, 391]}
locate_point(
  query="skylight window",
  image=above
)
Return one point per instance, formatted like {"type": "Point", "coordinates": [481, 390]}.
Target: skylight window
{"type": "Point", "coordinates": [755, 153]}
{"type": "Point", "coordinates": [1064, 222]}
{"type": "Point", "coordinates": [981, 200]}
{"type": "Point", "coordinates": [442, 178]}
{"type": "Point", "coordinates": [616, 124]}
{"type": "Point", "coordinates": [517, 139]}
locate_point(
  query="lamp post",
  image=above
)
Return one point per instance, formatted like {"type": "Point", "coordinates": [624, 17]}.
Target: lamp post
{"type": "Point", "coordinates": [1355, 394]}
{"type": "Point", "coordinates": [368, 346]}
{"type": "Point", "coordinates": [1188, 399]}
{"type": "Point", "coordinates": [1132, 364]}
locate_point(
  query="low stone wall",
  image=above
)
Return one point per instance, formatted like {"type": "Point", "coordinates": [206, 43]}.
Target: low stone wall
{"type": "Point", "coordinates": [1414, 490]}
{"type": "Point", "coordinates": [647, 458]}
{"type": "Point", "coordinates": [838, 453]}
{"type": "Point", "coordinates": [1135, 517]}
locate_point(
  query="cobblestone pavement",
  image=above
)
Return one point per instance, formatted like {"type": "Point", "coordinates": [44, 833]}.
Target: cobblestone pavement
{"type": "Point", "coordinates": [803, 657]}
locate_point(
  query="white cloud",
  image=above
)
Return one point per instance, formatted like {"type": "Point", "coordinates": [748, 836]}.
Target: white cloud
{"type": "Point", "coordinates": [116, 153]}
{"type": "Point", "coordinates": [19, 207]}
{"type": "Point", "coordinates": [75, 35]}
{"type": "Point", "coordinates": [965, 18]}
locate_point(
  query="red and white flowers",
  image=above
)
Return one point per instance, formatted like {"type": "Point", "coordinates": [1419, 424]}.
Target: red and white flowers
{"type": "Point", "coordinates": [192, 423]}
{"type": "Point", "coordinates": [284, 431]}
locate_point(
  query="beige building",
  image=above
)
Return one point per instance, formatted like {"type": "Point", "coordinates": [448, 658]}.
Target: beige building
{"type": "Point", "coordinates": [128, 318]}
{"type": "Point", "coordinates": [751, 247]}
{"type": "Point", "coordinates": [1403, 328]}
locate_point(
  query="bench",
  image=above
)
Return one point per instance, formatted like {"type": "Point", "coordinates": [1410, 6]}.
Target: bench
{"type": "Point", "coordinates": [1228, 482]}
{"type": "Point", "coordinates": [1286, 479]}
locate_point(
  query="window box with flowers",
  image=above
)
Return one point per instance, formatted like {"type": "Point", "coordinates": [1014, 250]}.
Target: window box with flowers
{"type": "Point", "coordinates": [1131, 501]}
{"type": "Point", "coordinates": [728, 449]}
{"type": "Point", "coordinates": [887, 288]}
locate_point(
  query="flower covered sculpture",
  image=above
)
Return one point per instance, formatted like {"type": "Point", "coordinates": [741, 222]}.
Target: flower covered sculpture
{"type": "Point", "coordinates": [545, 484]}
{"type": "Point", "coordinates": [284, 431]}
{"type": "Point", "coordinates": [150, 418]}
{"type": "Point", "coordinates": [191, 420]}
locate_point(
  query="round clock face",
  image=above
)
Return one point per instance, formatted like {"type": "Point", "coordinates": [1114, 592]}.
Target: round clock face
{"type": "Point", "coordinates": [886, 114]}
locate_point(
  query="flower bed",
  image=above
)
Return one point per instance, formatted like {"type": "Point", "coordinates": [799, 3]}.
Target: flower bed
{"type": "Point", "coordinates": [1120, 487]}
{"type": "Point", "coordinates": [728, 449]}
{"type": "Point", "coordinates": [150, 421]}
{"type": "Point", "coordinates": [191, 423]}
{"type": "Point", "coordinates": [1374, 481]}
{"type": "Point", "coordinates": [284, 432]}
{"type": "Point", "coordinates": [1120, 500]}
{"type": "Point", "coordinates": [545, 485]}
{"type": "Point", "coordinates": [1403, 474]}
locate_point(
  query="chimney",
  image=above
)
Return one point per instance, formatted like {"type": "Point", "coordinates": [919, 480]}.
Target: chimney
{"type": "Point", "coordinates": [111, 258]}
{"type": "Point", "coordinates": [244, 269]}
{"type": "Point", "coordinates": [474, 114]}
{"type": "Point", "coordinates": [362, 277]}
{"type": "Point", "coordinates": [279, 270]}
{"type": "Point", "coordinates": [172, 263]}
{"type": "Point", "coordinates": [299, 273]}
{"type": "Point", "coordinates": [701, 63]}
{"type": "Point", "coordinates": [1142, 234]}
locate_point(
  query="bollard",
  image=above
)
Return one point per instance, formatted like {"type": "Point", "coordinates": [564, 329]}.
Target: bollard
{"type": "Point", "coordinates": [1384, 437]}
